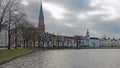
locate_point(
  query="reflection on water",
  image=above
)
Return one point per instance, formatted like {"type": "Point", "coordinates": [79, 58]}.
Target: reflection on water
{"type": "Point", "coordinates": [84, 58]}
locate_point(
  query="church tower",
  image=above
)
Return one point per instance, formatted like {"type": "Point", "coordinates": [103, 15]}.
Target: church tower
{"type": "Point", "coordinates": [87, 34]}
{"type": "Point", "coordinates": [41, 25]}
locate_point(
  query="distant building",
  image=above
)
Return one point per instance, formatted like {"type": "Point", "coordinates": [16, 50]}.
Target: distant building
{"type": "Point", "coordinates": [48, 40]}
{"type": "Point", "coordinates": [69, 41]}
{"type": "Point", "coordinates": [53, 40]}
{"type": "Point", "coordinates": [3, 38]}
{"type": "Point", "coordinates": [79, 41]}
{"type": "Point", "coordinates": [87, 38]}
{"type": "Point", "coordinates": [109, 42]}
{"type": "Point", "coordinates": [94, 42]}
{"type": "Point", "coordinates": [86, 41]}
{"type": "Point", "coordinates": [87, 34]}
{"type": "Point", "coordinates": [61, 40]}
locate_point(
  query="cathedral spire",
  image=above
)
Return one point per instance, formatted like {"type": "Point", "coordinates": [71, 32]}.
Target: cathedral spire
{"type": "Point", "coordinates": [41, 11]}
{"type": "Point", "coordinates": [41, 26]}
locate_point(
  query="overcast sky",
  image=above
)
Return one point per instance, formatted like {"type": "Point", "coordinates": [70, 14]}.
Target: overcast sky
{"type": "Point", "coordinates": [74, 17]}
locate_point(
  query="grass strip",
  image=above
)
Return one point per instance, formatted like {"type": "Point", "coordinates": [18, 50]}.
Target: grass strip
{"type": "Point", "coordinates": [10, 54]}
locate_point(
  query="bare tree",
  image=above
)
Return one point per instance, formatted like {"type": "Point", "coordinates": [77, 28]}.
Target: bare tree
{"type": "Point", "coordinates": [27, 32]}
{"type": "Point", "coordinates": [34, 36]}
{"type": "Point", "coordinates": [5, 5]}
{"type": "Point", "coordinates": [10, 14]}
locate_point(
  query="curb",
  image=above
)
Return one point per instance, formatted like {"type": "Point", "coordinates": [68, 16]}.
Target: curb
{"type": "Point", "coordinates": [8, 60]}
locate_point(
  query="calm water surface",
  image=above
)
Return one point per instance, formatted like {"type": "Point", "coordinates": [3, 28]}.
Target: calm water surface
{"type": "Point", "coordinates": [83, 58]}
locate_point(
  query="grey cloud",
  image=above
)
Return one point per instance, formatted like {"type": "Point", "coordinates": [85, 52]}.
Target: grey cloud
{"type": "Point", "coordinates": [74, 7]}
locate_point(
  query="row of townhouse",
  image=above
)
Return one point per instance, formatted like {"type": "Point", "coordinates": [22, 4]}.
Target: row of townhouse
{"type": "Point", "coordinates": [52, 40]}
{"type": "Point", "coordinates": [68, 41]}
{"type": "Point", "coordinates": [109, 42]}
{"type": "Point", "coordinates": [83, 41]}
{"type": "Point", "coordinates": [59, 41]}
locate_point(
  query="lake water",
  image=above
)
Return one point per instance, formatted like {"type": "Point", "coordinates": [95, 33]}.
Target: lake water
{"type": "Point", "coordinates": [68, 58]}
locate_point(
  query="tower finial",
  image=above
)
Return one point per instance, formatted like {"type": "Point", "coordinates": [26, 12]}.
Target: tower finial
{"type": "Point", "coordinates": [41, 25]}
{"type": "Point", "coordinates": [87, 34]}
{"type": "Point", "coordinates": [41, 10]}
{"type": "Point", "coordinates": [87, 30]}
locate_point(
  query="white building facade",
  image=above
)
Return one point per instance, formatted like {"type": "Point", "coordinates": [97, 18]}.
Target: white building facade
{"type": "Point", "coordinates": [3, 38]}
{"type": "Point", "coordinates": [94, 42]}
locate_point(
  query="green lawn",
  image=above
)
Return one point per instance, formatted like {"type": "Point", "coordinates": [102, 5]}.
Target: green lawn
{"type": "Point", "coordinates": [8, 54]}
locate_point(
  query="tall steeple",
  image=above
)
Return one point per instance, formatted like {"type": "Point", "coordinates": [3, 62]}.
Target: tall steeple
{"type": "Point", "coordinates": [41, 11]}
{"type": "Point", "coordinates": [41, 25]}
{"type": "Point", "coordinates": [87, 34]}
